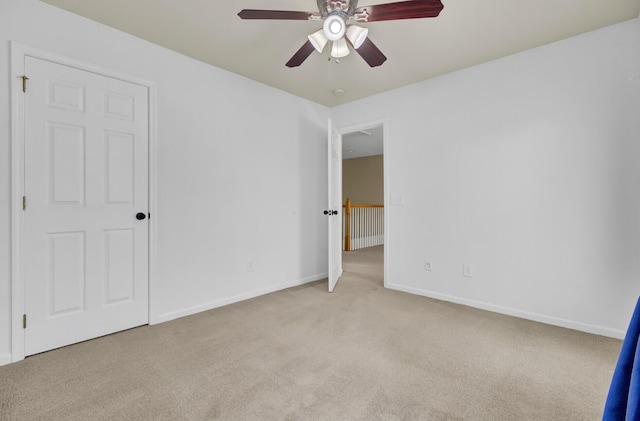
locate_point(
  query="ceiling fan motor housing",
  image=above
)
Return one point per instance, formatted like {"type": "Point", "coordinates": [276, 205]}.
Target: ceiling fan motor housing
{"type": "Point", "coordinates": [343, 8]}
{"type": "Point", "coordinates": [336, 14]}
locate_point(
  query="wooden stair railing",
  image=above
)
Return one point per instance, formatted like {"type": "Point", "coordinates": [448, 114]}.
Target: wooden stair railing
{"type": "Point", "coordinates": [348, 207]}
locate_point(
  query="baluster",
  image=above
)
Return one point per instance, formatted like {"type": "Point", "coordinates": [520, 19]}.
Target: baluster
{"type": "Point", "coordinates": [357, 233]}
{"type": "Point", "coordinates": [380, 225]}
{"type": "Point", "coordinates": [381, 235]}
{"type": "Point", "coordinates": [375, 227]}
{"type": "Point", "coordinates": [359, 227]}
{"type": "Point", "coordinates": [366, 227]}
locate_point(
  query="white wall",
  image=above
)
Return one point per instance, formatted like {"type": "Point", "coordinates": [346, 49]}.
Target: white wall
{"type": "Point", "coordinates": [241, 168]}
{"type": "Point", "coordinates": [528, 168]}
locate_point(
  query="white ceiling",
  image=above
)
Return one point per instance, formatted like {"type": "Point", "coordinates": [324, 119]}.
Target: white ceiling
{"type": "Point", "coordinates": [362, 143]}
{"type": "Point", "coordinates": [467, 32]}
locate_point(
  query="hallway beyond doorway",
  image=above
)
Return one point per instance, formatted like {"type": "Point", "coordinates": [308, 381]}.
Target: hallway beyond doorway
{"type": "Point", "coordinates": [366, 264]}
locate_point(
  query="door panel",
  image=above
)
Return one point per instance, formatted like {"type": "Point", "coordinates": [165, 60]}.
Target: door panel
{"type": "Point", "coordinates": [66, 164]}
{"type": "Point", "coordinates": [119, 156]}
{"type": "Point", "coordinates": [334, 160]}
{"type": "Point", "coordinates": [119, 265]}
{"type": "Point", "coordinates": [67, 281]}
{"type": "Point", "coordinates": [86, 177]}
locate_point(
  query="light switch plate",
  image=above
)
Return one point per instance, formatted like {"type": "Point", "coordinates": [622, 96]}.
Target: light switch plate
{"type": "Point", "coordinates": [467, 270]}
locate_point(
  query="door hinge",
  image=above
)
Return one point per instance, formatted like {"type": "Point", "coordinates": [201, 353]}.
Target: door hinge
{"type": "Point", "coordinates": [24, 321]}
{"type": "Point", "coordinates": [24, 202]}
{"type": "Point", "coordinates": [24, 83]}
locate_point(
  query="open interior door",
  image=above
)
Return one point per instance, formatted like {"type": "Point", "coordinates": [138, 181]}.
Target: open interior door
{"type": "Point", "coordinates": [334, 210]}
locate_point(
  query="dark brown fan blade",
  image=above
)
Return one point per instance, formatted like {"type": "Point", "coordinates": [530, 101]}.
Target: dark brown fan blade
{"type": "Point", "coordinates": [412, 9]}
{"type": "Point", "coordinates": [275, 14]}
{"type": "Point", "coordinates": [370, 53]}
{"type": "Point", "coordinates": [302, 54]}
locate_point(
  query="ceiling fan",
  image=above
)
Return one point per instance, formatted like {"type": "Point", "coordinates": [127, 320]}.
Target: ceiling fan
{"type": "Point", "coordinates": [339, 17]}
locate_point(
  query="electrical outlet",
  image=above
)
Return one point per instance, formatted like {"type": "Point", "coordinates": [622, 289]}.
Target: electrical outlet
{"type": "Point", "coordinates": [467, 270]}
{"type": "Point", "coordinates": [427, 265]}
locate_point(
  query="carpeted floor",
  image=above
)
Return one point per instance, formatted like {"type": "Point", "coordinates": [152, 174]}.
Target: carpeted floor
{"type": "Point", "coordinates": [361, 353]}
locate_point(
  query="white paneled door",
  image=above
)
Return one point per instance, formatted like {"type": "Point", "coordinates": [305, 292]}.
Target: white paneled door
{"type": "Point", "coordinates": [334, 170]}
{"type": "Point", "coordinates": [86, 193]}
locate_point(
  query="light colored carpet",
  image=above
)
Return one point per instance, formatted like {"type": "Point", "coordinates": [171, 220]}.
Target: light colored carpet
{"type": "Point", "coordinates": [361, 353]}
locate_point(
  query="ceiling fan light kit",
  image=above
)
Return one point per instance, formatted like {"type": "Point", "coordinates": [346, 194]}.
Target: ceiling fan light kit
{"type": "Point", "coordinates": [318, 39]}
{"type": "Point", "coordinates": [339, 17]}
{"type": "Point", "coordinates": [339, 48]}
{"type": "Point", "coordinates": [334, 27]}
{"type": "Point", "coordinates": [357, 35]}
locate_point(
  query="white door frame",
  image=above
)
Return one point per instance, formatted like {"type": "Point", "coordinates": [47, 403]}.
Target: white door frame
{"type": "Point", "coordinates": [18, 53]}
{"type": "Point", "coordinates": [385, 180]}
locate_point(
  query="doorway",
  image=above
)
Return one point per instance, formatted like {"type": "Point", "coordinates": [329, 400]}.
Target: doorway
{"type": "Point", "coordinates": [364, 175]}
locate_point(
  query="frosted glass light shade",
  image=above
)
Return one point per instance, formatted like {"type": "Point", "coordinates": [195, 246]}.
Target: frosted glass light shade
{"type": "Point", "coordinates": [318, 39]}
{"type": "Point", "coordinates": [339, 48]}
{"type": "Point", "coordinates": [357, 35]}
{"type": "Point", "coordinates": [334, 27]}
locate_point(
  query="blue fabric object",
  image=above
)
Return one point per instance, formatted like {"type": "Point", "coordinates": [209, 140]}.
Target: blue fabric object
{"type": "Point", "coordinates": [623, 401]}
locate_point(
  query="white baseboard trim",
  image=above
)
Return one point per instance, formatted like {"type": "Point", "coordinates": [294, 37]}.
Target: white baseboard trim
{"type": "Point", "coordinates": [536, 317]}
{"type": "Point", "coordinates": [230, 300]}
{"type": "Point", "coordinates": [5, 359]}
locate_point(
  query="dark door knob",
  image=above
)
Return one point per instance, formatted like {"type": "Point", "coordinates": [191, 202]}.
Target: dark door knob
{"type": "Point", "coordinates": [140, 216]}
